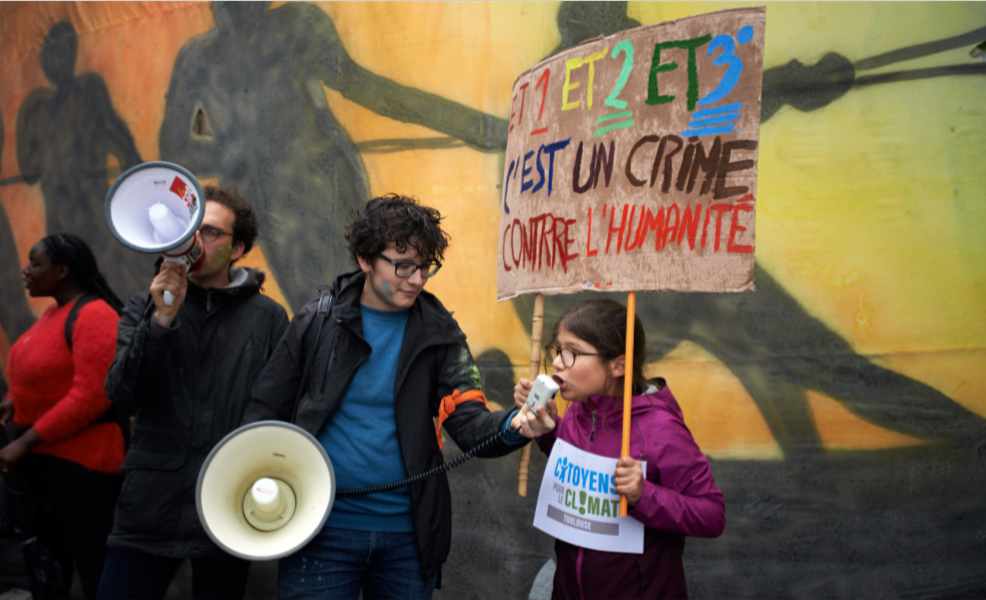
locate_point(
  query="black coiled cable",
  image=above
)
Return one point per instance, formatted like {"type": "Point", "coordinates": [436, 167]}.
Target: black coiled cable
{"type": "Point", "coordinates": [455, 462]}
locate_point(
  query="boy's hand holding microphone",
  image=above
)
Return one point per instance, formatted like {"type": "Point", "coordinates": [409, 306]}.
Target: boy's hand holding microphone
{"type": "Point", "coordinates": [538, 411]}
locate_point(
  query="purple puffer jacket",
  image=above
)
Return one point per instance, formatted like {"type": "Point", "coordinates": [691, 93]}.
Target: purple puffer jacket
{"type": "Point", "coordinates": [679, 498]}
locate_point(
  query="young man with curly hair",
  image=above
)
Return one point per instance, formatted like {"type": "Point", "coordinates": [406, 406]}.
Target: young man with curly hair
{"type": "Point", "coordinates": [389, 359]}
{"type": "Point", "coordinates": [187, 370]}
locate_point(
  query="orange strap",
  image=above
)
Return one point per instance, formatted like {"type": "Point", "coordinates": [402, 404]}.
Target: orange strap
{"type": "Point", "coordinates": [448, 405]}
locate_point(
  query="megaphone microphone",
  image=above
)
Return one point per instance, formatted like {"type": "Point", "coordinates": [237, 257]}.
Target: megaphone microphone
{"type": "Point", "coordinates": [265, 490]}
{"type": "Point", "coordinates": [544, 389]}
{"type": "Point", "coordinates": [156, 207]}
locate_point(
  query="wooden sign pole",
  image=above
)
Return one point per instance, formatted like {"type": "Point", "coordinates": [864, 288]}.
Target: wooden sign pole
{"type": "Point", "coordinates": [628, 386]}
{"type": "Point", "coordinates": [532, 373]}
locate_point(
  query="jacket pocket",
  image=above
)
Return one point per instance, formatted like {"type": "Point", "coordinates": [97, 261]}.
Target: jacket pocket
{"type": "Point", "coordinates": [153, 494]}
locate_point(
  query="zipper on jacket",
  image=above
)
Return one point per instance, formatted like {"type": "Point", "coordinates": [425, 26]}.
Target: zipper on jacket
{"type": "Point", "coordinates": [332, 358]}
{"type": "Point", "coordinates": [208, 300]}
{"type": "Point", "coordinates": [332, 354]}
{"type": "Point", "coordinates": [592, 433]}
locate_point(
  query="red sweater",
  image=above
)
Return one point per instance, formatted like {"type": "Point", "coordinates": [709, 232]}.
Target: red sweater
{"type": "Point", "coordinates": [61, 392]}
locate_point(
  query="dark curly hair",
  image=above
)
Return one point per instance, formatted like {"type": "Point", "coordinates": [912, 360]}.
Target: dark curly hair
{"type": "Point", "coordinates": [400, 220]}
{"type": "Point", "coordinates": [246, 227]}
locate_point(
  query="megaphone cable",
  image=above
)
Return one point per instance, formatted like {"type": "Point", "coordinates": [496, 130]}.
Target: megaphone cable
{"type": "Point", "coordinates": [428, 474]}
{"type": "Point", "coordinates": [324, 305]}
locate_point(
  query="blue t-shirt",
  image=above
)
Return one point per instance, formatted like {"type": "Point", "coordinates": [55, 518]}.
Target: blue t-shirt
{"type": "Point", "coordinates": [361, 437]}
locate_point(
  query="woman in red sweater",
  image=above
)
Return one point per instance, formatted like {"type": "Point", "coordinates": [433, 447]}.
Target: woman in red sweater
{"type": "Point", "coordinates": [69, 450]}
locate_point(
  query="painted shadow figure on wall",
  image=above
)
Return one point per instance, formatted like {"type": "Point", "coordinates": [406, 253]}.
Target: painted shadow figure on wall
{"type": "Point", "coordinates": [876, 520]}
{"type": "Point", "coordinates": [766, 338]}
{"type": "Point", "coordinates": [15, 314]}
{"type": "Point", "coordinates": [65, 134]}
{"type": "Point", "coordinates": [246, 104]}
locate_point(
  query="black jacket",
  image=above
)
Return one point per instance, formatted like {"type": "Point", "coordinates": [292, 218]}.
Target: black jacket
{"type": "Point", "coordinates": [189, 385]}
{"type": "Point", "coordinates": [434, 361]}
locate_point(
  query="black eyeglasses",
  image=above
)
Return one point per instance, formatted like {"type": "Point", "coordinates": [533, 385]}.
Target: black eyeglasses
{"type": "Point", "coordinates": [406, 269]}
{"type": "Point", "coordinates": [211, 234]}
{"type": "Point", "coordinates": [568, 355]}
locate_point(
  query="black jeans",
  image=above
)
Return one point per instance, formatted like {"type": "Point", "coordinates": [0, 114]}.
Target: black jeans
{"type": "Point", "coordinates": [75, 512]}
{"type": "Point", "coordinates": [135, 575]}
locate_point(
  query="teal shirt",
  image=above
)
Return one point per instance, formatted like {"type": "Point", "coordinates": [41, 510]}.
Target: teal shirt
{"type": "Point", "coordinates": [361, 437]}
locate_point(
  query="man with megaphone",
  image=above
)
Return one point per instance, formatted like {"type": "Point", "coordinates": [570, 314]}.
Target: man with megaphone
{"type": "Point", "coordinates": [187, 369]}
{"type": "Point", "coordinates": [386, 358]}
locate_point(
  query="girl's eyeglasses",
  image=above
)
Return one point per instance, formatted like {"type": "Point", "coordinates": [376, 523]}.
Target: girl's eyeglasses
{"type": "Point", "coordinates": [568, 356]}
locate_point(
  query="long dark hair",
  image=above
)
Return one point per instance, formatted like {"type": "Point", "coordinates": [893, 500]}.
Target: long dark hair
{"type": "Point", "coordinates": [71, 251]}
{"type": "Point", "coordinates": [603, 324]}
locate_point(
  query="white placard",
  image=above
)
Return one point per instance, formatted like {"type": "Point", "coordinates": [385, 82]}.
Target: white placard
{"type": "Point", "coordinates": [577, 503]}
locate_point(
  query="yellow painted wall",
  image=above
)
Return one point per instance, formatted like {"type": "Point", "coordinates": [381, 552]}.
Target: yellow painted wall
{"type": "Point", "coordinates": [870, 209]}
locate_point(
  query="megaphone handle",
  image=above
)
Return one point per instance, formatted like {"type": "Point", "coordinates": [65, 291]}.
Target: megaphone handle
{"type": "Point", "coordinates": [169, 298]}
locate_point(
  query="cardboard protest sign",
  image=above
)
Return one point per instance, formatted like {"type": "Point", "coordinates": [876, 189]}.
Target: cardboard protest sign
{"type": "Point", "coordinates": [631, 162]}
{"type": "Point", "coordinates": [577, 503]}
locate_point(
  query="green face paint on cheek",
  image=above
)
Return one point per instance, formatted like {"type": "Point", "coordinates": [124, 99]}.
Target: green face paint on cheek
{"type": "Point", "coordinates": [224, 252]}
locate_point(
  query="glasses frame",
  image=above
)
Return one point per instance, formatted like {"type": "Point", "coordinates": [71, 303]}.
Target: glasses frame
{"type": "Point", "coordinates": [549, 362]}
{"type": "Point", "coordinates": [424, 274]}
{"type": "Point", "coordinates": [213, 232]}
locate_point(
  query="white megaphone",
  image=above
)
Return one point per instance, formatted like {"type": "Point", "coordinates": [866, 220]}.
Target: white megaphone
{"type": "Point", "coordinates": [265, 490]}
{"type": "Point", "coordinates": [157, 207]}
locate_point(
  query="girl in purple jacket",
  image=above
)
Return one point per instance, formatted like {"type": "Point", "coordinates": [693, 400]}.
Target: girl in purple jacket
{"type": "Point", "coordinates": [677, 498]}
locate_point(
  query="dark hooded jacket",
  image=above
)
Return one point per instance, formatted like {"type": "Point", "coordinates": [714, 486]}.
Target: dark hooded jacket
{"type": "Point", "coordinates": [434, 362]}
{"type": "Point", "coordinates": [189, 385]}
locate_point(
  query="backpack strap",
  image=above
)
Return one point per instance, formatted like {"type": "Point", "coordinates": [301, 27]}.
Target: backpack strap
{"type": "Point", "coordinates": [73, 316]}
{"type": "Point", "coordinates": [113, 414]}
{"type": "Point", "coordinates": [324, 307]}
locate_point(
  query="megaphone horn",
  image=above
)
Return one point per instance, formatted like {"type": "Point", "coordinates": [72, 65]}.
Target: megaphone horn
{"type": "Point", "coordinates": [265, 490]}
{"type": "Point", "coordinates": [156, 207]}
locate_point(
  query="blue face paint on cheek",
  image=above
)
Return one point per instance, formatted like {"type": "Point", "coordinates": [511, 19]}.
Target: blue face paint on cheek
{"type": "Point", "coordinates": [386, 289]}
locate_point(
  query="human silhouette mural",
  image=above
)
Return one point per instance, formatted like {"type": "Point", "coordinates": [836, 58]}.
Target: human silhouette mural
{"type": "Point", "coordinates": [766, 338]}
{"type": "Point", "coordinates": [65, 134]}
{"type": "Point", "coordinates": [857, 513]}
{"type": "Point", "coordinates": [246, 104]}
{"type": "Point", "coordinates": [15, 314]}
{"type": "Point", "coordinates": [234, 111]}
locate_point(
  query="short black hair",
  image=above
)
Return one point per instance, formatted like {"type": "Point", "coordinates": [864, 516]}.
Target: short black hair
{"type": "Point", "coordinates": [400, 220]}
{"type": "Point", "coordinates": [246, 226]}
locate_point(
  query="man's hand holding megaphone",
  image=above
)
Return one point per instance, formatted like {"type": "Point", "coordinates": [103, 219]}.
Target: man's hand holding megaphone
{"type": "Point", "coordinates": [173, 278]}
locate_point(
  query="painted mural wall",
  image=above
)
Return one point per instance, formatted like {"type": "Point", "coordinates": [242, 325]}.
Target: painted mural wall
{"type": "Point", "coordinates": [842, 403]}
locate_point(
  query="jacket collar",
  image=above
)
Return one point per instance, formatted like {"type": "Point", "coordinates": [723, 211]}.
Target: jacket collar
{"type": "Point", "coordinates": [243, 282]}
{"type": "Point", "coordinates": [657, 397]}
{"type": "Point", "coordinates": [428, 320]}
